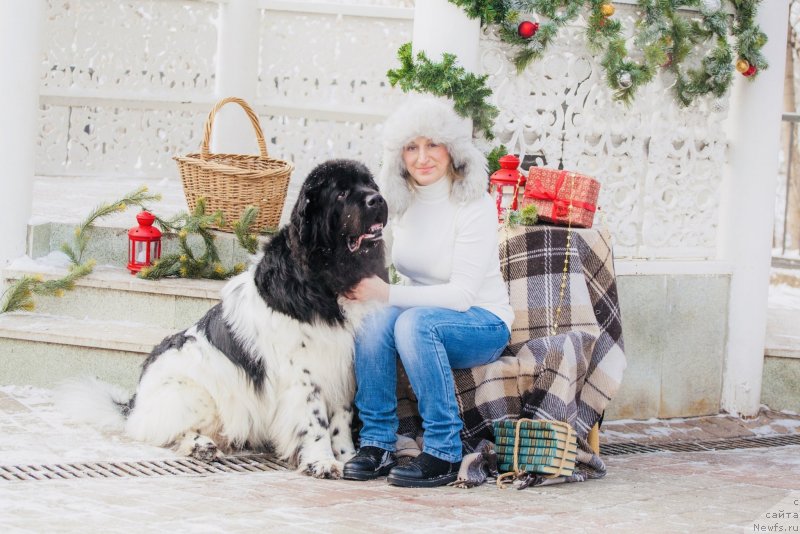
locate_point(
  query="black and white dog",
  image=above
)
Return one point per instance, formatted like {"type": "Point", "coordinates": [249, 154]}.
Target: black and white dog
{"type": "Point", "coordinates": [271, 364]}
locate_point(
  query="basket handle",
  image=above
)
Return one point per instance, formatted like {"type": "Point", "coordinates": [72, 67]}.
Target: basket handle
{"type": "Point", "coordinates": [262, 146]}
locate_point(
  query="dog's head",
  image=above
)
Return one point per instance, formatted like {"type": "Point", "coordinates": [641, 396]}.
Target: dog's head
{"type": "Point", "coordinates": [337, 224]}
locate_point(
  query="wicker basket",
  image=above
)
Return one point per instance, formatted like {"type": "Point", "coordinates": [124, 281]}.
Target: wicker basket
{"type": "Point", "coordinates": [231, 182]}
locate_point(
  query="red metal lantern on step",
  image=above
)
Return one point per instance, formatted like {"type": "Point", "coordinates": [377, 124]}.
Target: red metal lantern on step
{"type": "Point", "coordinates": [144, 243]}
{"type": "Point", "coordinates": [507, 175]}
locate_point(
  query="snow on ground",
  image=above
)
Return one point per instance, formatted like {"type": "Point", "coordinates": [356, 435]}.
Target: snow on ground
{"type": "Point", "coordinates": [55, 262]}
{"type": "Point", "coordinates": [766, 430]}
{"type": "Point", "coordinates": [34, 431]}
{"type": "Point", "coordinates": [783, 296]}
{"type": "Point", "coordinates": [64, 199]}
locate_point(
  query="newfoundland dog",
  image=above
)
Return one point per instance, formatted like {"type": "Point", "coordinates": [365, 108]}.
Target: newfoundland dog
{"type": "Point", "coordinates": [271, 364]}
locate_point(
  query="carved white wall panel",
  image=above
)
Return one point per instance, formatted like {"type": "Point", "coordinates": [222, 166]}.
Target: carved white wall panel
{"type": "Point", "coordinates": [114, 141]}
{"type": "Point", "coordinates": [329, 61]}
{"type": "Point", "coordinates": [660, 165]}
{"type": "Point", "coordinates": [150, 46]}
{"type": "Point", "coordinates": [51, 142]}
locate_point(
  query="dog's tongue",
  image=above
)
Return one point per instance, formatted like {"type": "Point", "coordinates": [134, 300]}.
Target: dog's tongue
{"type": "Point", "coordinates": [374, 233]}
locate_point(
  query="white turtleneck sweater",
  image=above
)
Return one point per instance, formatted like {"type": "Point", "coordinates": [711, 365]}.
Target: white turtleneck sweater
{"type": "Point", "coordinates": [447, 254]}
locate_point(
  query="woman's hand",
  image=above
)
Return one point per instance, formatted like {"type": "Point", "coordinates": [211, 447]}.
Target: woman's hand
{"type": "Point", "coordinates": [372, 288]}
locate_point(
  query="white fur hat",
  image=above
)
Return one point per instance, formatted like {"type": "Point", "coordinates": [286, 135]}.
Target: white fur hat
{"type": "Point", "coordinates": [427, 116]}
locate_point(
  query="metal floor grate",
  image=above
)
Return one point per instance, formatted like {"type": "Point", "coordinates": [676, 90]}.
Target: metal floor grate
{"type": "Point", "coordinates": [257, 463]}
{"type": "Point", "coordinates": [616, 449]}
{"type": "Point", "coordinates": [179, 466]}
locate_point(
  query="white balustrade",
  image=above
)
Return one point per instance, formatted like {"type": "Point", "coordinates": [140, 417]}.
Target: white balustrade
{"type": "Point", "coordinates": [126, 85]}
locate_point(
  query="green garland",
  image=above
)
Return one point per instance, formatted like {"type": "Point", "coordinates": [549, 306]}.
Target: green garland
{"type": "Point", "coordinates": [489, 11]}
{"type": "Point", "coordinates": [665, 37]}
{"type": "Point", "coordinates": [493, 158]}
{"type": "Point", "coordinates": [469, 92]}
{"type": "Point", "coordinates": [185, 263]}
{"type": "Point", "coordinates": [19, 295]}
{"type": "Point", "coordinates": [527, 216]}
{"type": "Point", "coordinates": [139, 197]}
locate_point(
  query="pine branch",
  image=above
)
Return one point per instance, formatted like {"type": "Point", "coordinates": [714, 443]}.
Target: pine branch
{"type": "Point", "coordinates": [487, 10]}
{"type": "Point", "coordinates": [468, 92]}
{"type": "Point", "coordinates": [19, 295]}
{"type": "Point", "coordinates": [137, 197]}
{"type": "Point", "coordinates": [243, 229]}
{"type": "Point", "coordinates": [185, 263]}
{"type": "Point", "coordinates": [493, 158]}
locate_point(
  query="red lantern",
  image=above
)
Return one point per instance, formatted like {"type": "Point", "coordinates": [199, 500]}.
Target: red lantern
{"type": "Point", "coordinates": [144, 243]}
{"type": "Point", "coordinates": [507, 175]}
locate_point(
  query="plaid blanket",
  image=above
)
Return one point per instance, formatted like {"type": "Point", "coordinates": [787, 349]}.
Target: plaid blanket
{"type": "Point", "coordinates": [565, 359]}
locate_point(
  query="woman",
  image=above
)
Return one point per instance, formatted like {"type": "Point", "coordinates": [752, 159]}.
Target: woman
{"type": "Point", "coordinates": [452, 312]}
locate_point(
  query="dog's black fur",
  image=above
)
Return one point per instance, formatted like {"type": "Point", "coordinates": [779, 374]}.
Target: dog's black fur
{"type": "Point", "coordinates": [288, 309]}
{"type": "Point", "coordinates": [308, 263]}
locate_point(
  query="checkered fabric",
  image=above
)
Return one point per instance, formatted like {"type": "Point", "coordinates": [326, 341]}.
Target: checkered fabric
{"type": "Point", "coordinates": [565, 359]}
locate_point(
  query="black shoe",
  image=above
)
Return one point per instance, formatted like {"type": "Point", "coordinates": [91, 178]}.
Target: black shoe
{"type": "Point", "coordinates": [424, 471]}
{"type": "Point", "coordinates": [369, 463]}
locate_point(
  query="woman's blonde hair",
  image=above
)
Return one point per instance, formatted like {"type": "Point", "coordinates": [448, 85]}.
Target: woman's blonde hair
{"type": "Point", "coordinates": [435, 118]}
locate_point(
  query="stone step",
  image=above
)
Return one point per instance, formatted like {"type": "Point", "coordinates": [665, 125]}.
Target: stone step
{"type": "Point", "coordinates": [43, 350]}
{"type": "Point", "coordinates": [108, 245]}
{"type": "Point", "coordinates": [783, 333]}
{"type": "Point", "coordinates": [113, 294]}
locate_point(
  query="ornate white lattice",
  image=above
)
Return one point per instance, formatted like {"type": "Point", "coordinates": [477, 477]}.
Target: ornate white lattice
{"type": "Point", "coordinates": [332, 85]}
{"type": "Point", "coordinates": [329, 61]}
{"type": "Point", "coordinates": [113, 141]}
{"type": "Point", "coordinates": [660, 165]}
{"type": "Point", "coordinates": [130, 46]}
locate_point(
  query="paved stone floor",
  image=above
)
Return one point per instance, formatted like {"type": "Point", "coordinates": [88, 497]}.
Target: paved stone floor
{"type": "Point", "coordinates": [737, 490]}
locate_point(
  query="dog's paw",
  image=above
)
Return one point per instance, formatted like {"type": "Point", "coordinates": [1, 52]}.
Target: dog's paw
{"type": "Point", "coordinates": [205, 449]}
{"type": "Point", "coordinates": [326, 468]}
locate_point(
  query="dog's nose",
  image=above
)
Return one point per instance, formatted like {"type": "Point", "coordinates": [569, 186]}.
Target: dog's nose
{"type": "Point", "coordinates": [374, 199]}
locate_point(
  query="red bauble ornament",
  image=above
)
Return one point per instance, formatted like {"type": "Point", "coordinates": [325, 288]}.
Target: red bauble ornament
{"type": "Point", "coordinates": [527, 29]}
{"type": "Point", "coordinates": [749, 72]}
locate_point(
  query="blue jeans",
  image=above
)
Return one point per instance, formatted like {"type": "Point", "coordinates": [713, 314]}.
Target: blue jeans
{"type": "Point", "coordinates": [430, 343]}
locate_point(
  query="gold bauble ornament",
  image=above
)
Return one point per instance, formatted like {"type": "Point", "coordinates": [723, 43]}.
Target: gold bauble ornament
{"type": "Point", "coordinates": [607, 10]}
{"type": "Point", "coordinates": [742, 65]}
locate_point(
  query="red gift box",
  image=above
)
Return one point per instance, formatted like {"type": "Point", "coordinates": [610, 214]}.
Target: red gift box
{"type": "Point", "coordinates": [562, 197]}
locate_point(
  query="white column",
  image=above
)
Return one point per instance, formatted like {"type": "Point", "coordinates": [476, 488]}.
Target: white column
{"type": "Point", "coordinates": [747, 213]}
{"type": "Point", "coordinates": [21, 23]}
{"type": "Point", "coordinates": [440, 26]}
{"type": "Point", "coordinates": [237, 75]}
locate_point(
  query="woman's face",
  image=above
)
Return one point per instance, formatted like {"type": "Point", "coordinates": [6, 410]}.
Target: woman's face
{"type": "Point", "coordinates": [427, 162]}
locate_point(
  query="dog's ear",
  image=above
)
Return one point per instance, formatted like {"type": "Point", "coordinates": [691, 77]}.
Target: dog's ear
{"type": "Point", "coordinates": [298, 219]}
{"type": "Point", "coordinates": [304, 230]}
